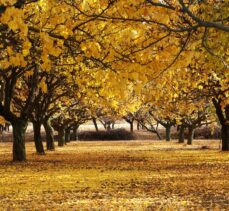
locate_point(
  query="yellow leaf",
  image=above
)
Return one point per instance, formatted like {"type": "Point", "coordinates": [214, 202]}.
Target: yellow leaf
{"type": "Point", "coordinates": [43, 86]}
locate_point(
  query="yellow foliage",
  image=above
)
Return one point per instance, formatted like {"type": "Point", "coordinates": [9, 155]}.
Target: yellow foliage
{"type": "Point", "coordinates": [2, 120]}
{"type": "Point", "coordinates": [43, 86]}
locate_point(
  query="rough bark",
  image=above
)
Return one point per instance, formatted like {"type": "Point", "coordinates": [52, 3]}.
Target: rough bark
{"type": "Point", "coordinates": [168, 133]}
{"type": "Point", "coordinates": [75, 133]}
{"type": "Point", "coordinates": [225, 137]}
{"type": "Point", "coordinates": [181, 134]}
{"type": "Point", "coordinates": [2, 93]}
{"type": "Point", "coordinates": [61, 137]}
{"type": "Point", "coordinates": [223, 117]}
{"type": "Point", "coordinates": [191, 132]}
{"type": "Point", "coordinates": [37, 138]}
{"type": "Point", "coordinates": [49, 135]}
{"type": "Point", "coordinates": [19, 128]}
{"type": "Point", "coordinates": [67, 135]}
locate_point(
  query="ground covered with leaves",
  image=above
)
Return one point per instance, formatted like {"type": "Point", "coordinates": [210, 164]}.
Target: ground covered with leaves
{"type": "Point", "coordinates": [132, 175]}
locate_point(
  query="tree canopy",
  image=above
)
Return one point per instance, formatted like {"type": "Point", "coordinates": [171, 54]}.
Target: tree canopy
{"type": "Point", "coordinates": [59, 57]}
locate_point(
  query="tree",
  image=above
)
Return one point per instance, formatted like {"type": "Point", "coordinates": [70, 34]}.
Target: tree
{"type": "Point", "coordinates": [167, 122]}
{"type": "Point", "coordinates": [182, 40]}
{"type": "Point", "coordinates": [112, 56]}
{"type": "Point", "coordinates": [207, 57]}
{"type": "Point", "coordinates": [31, 30]}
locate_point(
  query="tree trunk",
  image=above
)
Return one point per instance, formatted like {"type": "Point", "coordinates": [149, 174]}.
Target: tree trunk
{"type": "Point", "coordinates": [2, 90]}
{"type": "Point", "coordinates": [67, 135]}
{"type": "Point", "coordinates": [191, 131]}
{"type": "Point", "coordinates": [225, 137]}
{"type": "Point", "coordinates": [49, 135]}
{"type": "Point", "coordinates": [61, 137]}
{"type": "Point", "coordinates": [75, 133]}
{"type": "Point", "coordinates": [225, 131]}
{"type": "Point", "coordinates": [168, 133]}
{"type": "Point", "coordinates": [223, 119]}
{"type": "Point", "coordinates": [132, 126]}
{"type": "Point", "coordinates": [19, 128]}
{"type": "Point", "coordinates": [95, 124]}
{"type": "Point", "coordinates": [138, 126]}
{"type": "Point", "coordinates": [181, 134]}
{"type": "Point", "coordinates": [108, 126]}
{"type": "Point", "coordinates": [37, 138]}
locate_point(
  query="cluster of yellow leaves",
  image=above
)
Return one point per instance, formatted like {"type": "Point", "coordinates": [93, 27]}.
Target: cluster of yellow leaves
{"type": "Point", "coordinates": [14, 18]}
{"type": "Point", "coordinates": [91, 48]}
{"type": "Point", "coordinates": [135, 61]}
{"type": "Point", "coordinates": [2, 120]}
{"type": "Point", "coordinates": [14, 61]}
{"type": "Point", "coordinates": [8, 2]}
{"type": "Point", "coordinates": [48, 49]}
{"type": "Point", "coordinates": [43, 85]}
